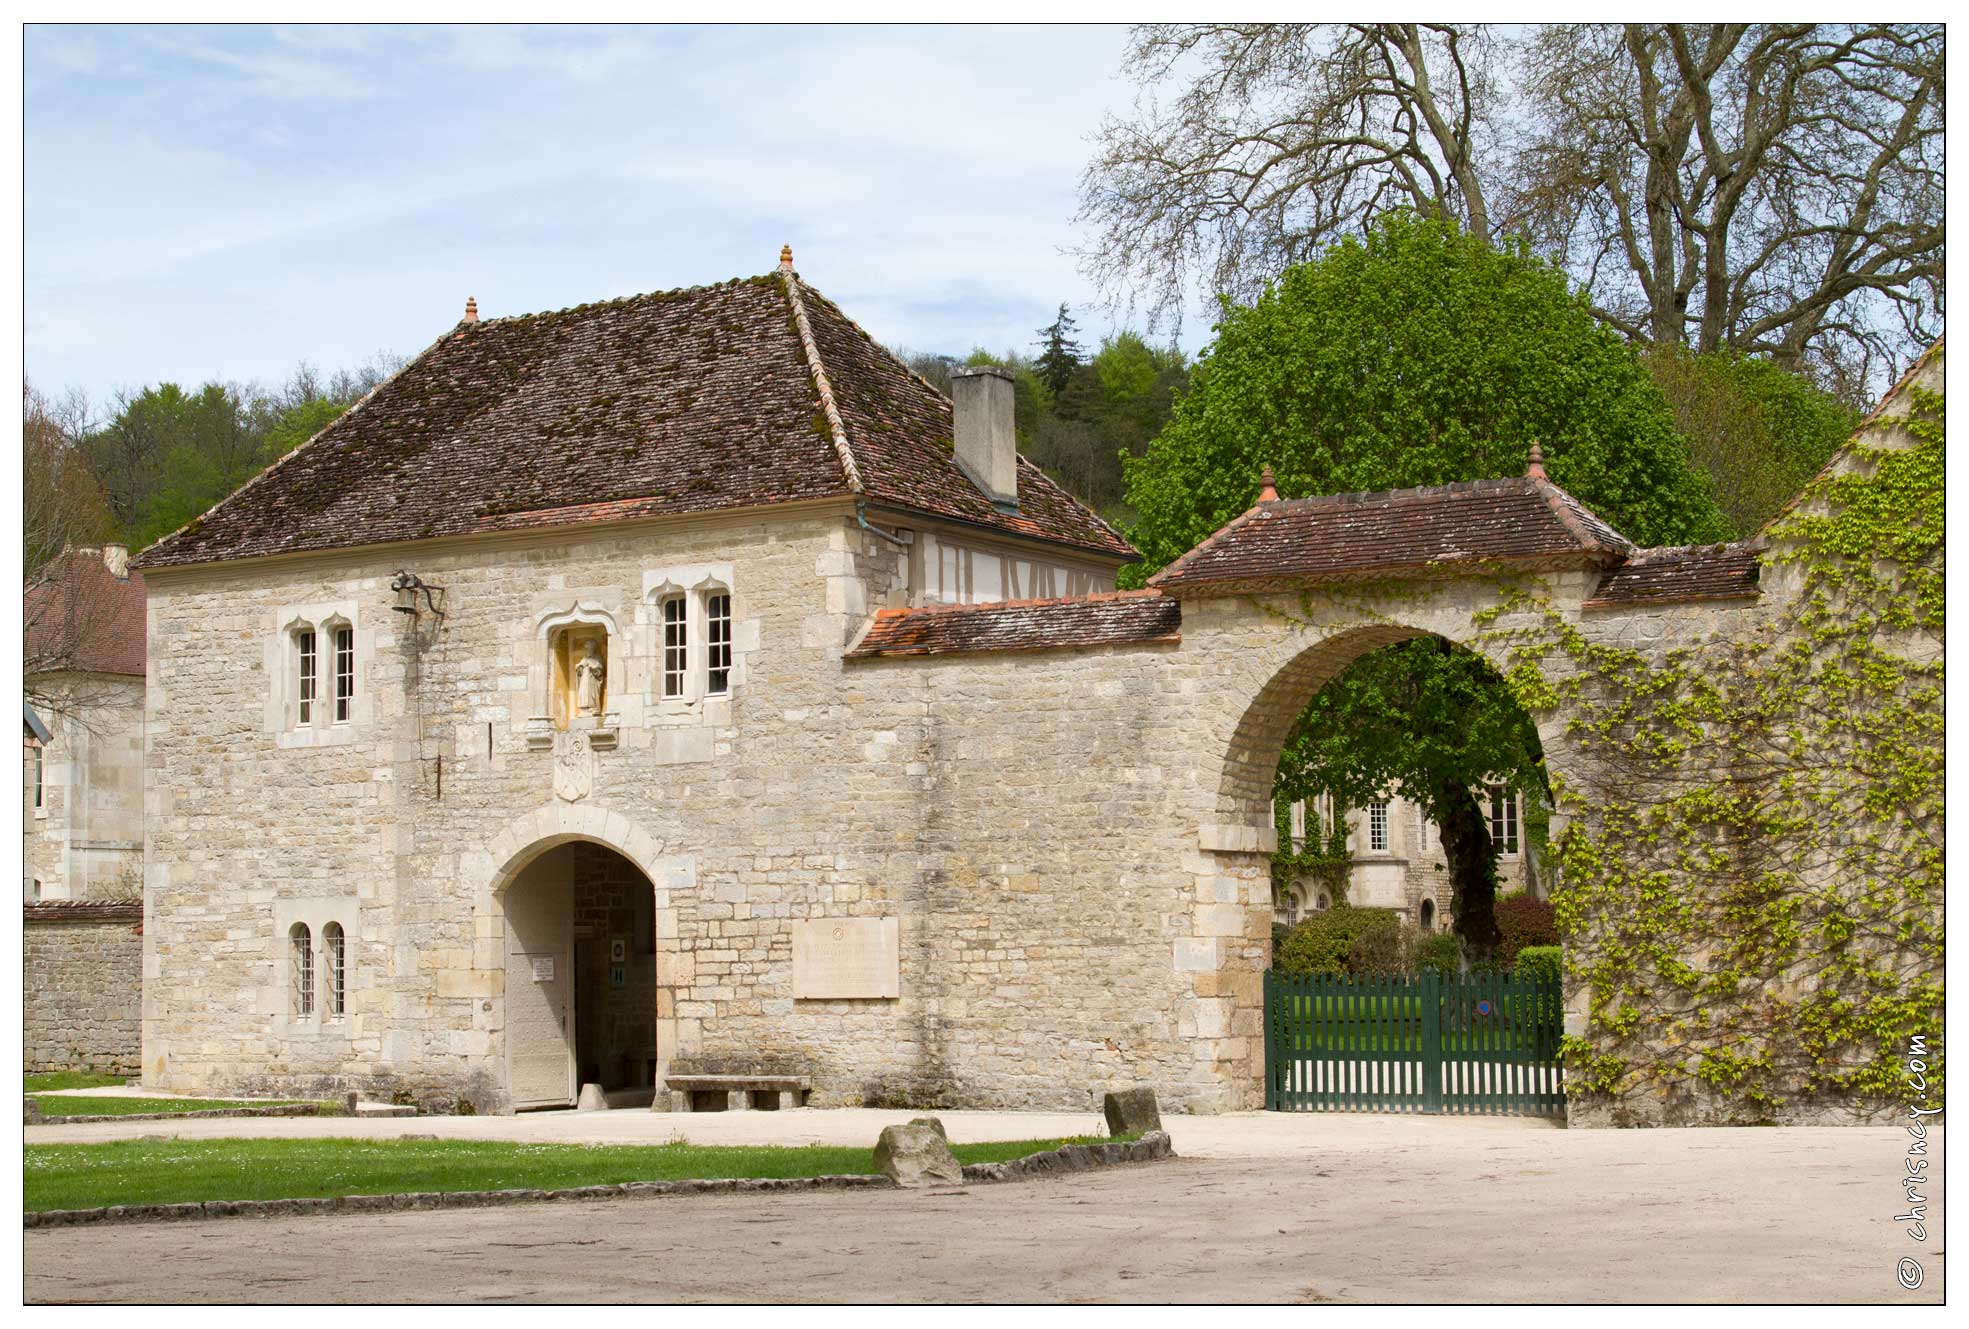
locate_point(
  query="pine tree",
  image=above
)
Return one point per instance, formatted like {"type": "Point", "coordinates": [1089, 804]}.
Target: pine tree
{"type": "Point", "coordinates": [1059, 353]}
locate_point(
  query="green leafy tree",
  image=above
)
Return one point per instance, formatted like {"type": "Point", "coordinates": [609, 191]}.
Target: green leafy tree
{"type": "Point", "coordinates": [1059, 353]}
{"type": "Point", "coordinates": [1431, 722]}
{"type": "Point", "coordinates": [1760, 432]}
{"type": "Point", "coordinates": [299, 423]}
{"type": "Point", "coordinates": [167, 454]}
{"type": "Point", "coordinates": [1418, 355]}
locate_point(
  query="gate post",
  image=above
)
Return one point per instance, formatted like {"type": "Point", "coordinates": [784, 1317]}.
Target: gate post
{"type": "Point", "coordinates": [1271, 1046]}
{"type": "Point", "coordinates": [1432, 1041]}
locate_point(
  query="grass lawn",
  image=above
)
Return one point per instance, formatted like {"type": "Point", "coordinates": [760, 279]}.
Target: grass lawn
{"type": "Point", "coordinates": [94, 1106]}
{"type": "Point", "coordinates": [84, 1176]}
{"type": "Point", "coordinates": [72, 1080]}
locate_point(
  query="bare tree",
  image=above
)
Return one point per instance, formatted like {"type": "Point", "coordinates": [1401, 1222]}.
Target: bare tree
{"type": "Point", "coordinates": [1767, 188]}
{"type": "Point", "coordinates": [1285, 136]}
{"type": "Point", "coordinates": [63, 508]}
{"type": "Point", "coordinates": [1761, 188]}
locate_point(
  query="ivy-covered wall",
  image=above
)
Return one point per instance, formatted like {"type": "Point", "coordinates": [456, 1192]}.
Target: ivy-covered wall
{"type": "Point", "coordinates": [1752, 854]}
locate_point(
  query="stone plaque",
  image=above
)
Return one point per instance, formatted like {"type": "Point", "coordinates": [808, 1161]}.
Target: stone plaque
{"type": "Point", "coordinates": [847, 957]}
{"type": "Point", "coordinates": [543, 968]}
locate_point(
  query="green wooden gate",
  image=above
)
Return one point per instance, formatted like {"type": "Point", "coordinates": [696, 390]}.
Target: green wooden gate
{"type": "Point", "coordinates": [1480, 1043]}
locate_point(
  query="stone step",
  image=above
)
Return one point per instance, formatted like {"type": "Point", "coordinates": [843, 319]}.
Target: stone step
{"type": "Point", "coordinates": [385, 1110]}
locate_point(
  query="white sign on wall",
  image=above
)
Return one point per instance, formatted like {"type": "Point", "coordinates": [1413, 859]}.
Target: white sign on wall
{"type": "Point", "coordinates": [847, 958]}
{"type": "Point", "coordinates": [543, 968]}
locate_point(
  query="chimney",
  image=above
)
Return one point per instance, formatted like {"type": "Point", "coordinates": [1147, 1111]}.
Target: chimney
{"type": "Point", "coordinates": [471, 309]}
{"type": "Point", "coordinates": [987, 446]}
{"type": "Point", "coordinates": [117, 559]}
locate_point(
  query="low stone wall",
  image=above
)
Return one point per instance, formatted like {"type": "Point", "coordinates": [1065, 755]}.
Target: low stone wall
{"type": "Point", "coordinates": [82, 986]}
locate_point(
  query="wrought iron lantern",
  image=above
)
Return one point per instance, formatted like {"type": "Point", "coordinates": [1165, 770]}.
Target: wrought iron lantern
{"type": "Point", "coordinates": [408, 586]}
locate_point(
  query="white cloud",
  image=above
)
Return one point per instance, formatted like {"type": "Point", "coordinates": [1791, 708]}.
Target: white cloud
{"type": "Point", "coordinates": [180, 209]}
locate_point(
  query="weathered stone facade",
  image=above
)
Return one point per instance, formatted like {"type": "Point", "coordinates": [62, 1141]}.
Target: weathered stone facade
{"type": "Point", "coordinates": [82, 986]}
{"type": "Point", "coordinates": [86, 839]}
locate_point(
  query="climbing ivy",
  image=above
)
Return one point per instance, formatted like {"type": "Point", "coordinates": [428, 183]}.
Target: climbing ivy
{"type": "Point", "coordinates": [1751, 878]}
{"type": "Point", "coordinates": [1322, 857]}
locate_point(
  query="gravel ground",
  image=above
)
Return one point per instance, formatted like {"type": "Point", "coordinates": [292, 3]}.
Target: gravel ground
{"type": "Point", "coordinates": [1261, 1208]}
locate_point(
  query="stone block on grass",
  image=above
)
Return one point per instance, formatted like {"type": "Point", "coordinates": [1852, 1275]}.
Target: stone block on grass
{"type": "Point", "coordinates": [915, 1156]}
{"type": "Point", "coordinates": [1132, 1112]}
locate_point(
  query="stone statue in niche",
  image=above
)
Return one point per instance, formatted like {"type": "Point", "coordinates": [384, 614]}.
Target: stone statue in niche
{"type": "Point", "coordinates": [580, 674]}
{"type": "Point", "coordinates": [589, 674]}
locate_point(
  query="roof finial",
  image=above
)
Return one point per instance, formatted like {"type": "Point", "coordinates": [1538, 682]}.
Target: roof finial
{"type": "Point", "coordinates": [786, 258]}
{"type": "Point", "coordinates": [471, 309]}
{"type": "Point", "coordinates": [1269, 492]}
{"type": "Point", "coordinates": [1536, 470]}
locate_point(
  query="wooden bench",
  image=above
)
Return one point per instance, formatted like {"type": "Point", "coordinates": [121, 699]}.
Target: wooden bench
{"type": "Point", "coordinates": [741, 1093]}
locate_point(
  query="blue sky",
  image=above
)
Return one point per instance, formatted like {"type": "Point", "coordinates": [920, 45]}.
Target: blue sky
{"type": "Point", "coordinates": [223, 202]}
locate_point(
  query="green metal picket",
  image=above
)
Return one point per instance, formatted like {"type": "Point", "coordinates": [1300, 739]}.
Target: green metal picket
{"type": "Point", "coordinates": [1477, 1043]}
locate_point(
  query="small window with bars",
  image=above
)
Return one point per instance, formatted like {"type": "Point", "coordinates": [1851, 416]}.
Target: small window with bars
{"type": "Point", "coordinates": [1377, 826]}
{"type": "Point", "coordinates": [301, 970]}
{"type": "Point", "coordinates": [345, 673]}
{"type": "Point", "coordinates": [304, 646]}
{"type": "Point", "coordinates": [1504, 819]}
{"type": "Point", "coordinates": [676, 648]}
{"type": "Point", "coordinates": [334, 951]}
{"type": "Point", "coordinates": [718, 625]}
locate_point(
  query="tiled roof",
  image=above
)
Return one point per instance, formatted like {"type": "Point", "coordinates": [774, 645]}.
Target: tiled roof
{"type": "Point", "coordinates": [1524, 521]}
{"type": "Point", "coordinates": [82, 616]}
{"type": "Point", "coordinates": [131, 910]}
{"type": "Point", "coordinates": [1688, 572]}
{"type": "Point", "coordinates": [1116, 618]}
{"type": "Point", "coordinates": [685, 401]}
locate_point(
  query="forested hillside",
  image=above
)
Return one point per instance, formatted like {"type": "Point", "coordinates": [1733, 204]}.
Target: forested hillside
{"type": "Point", "coordinates": [136, 468]}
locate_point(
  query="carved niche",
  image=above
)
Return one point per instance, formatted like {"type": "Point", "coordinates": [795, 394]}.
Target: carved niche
{"type": "Point", "coordinates": [572, 716]}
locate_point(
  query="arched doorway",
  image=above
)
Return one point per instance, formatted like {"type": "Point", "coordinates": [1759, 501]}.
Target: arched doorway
{"type": "Point", "coordinates": [1313, 1057]}
{"type": "Point", "coordinates": [581, 978]}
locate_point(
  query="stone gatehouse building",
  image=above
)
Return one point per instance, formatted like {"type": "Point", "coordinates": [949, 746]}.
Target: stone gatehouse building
{"type": "Point", "coordinates": [678, 684]}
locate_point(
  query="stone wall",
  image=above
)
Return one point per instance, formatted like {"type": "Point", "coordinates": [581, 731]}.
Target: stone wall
{"type": "Point", "coordinates": [82, 979]}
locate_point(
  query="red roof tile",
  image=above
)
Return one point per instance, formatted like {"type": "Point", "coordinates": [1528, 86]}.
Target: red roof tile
{"type": "Point", "coordinates": [1112, 619]}
{"type": "Point", "coordinates": [79, 615]}
{"type": "Point", "coordinates": [1688, 572]}
{"type": "Point", "coordinates": [676, 402]}
{"type": "Point", "coordinates": [1524, 521]}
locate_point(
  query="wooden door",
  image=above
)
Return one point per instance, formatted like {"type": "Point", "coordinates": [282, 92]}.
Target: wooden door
{"type": "Point", "coordinates": [540, 993]}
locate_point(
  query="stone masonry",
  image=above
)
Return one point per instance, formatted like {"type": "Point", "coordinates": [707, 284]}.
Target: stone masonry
{"type": "Point", "coordinates": [82, 981]}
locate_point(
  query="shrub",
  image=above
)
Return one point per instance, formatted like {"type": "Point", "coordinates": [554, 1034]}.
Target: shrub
{"type": "Point", "coordinates": [1438, 952]}
{"type": "Point", "coordinates": [1382, 947]}
{"type": "Point", "coordinates": [1540, 963]}
{"type": "Point", "coordinates": [1325, 943]}
{"type": "Point", "coordinates": [1523, 920]}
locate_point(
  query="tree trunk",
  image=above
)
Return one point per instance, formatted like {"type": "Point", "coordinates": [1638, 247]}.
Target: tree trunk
{"type": "Point", "coordinates": [1472, 869]}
